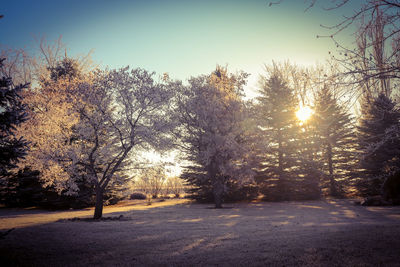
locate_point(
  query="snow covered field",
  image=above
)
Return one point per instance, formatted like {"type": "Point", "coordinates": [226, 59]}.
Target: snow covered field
{"type": "Point", "coordinates": [179, 233]}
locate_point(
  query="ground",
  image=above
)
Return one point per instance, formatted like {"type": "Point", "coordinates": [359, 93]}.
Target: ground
{"type": "Point", "coordinates": [180, 233]}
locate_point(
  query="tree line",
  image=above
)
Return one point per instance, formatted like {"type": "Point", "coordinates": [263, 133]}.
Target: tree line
{"type": "Point", "coordinates": [78, 130]}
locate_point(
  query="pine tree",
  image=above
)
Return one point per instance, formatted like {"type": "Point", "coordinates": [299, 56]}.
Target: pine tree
{"type": "Point", "coordinates": [12, 148]}
{"type": "Point", "coordinates": [336, 136]}
{"type": "Point", "coordinates": [277, 107]}
{"type": "Point", "coordinates": [379, 152]}
{"type": "Point", "coordinates": [212, 115]}
{"type": "Point", "coordinates": [12, 113]}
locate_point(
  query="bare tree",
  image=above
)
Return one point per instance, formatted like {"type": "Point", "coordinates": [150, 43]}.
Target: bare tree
{"type": "Point", "coordinates": [374, 63]}
{"type": "Point", "coordinates": [152, 180]}
{"type": "Point", "coordinates": [18, 65]}
{"type": "Point", "coordinates": [175, 185]}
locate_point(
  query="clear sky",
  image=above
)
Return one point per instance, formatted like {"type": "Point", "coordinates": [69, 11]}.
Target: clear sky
{"type": "Point", "coordinates": [183, 38]}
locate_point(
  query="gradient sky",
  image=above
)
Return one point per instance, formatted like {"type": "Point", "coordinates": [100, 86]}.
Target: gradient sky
{"type": "Point", "coordinates": [183, 38]}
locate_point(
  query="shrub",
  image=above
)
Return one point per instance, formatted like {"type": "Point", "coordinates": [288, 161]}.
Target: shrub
{"type": "Point", "coordinates": [137, 195]}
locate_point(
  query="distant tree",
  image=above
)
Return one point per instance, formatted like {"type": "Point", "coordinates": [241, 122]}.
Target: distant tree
{"type": "Point", "coordinates": [152, 181]}
{"type": "Point", "coordinates": [12, 114]}
{"type": "Point", "coordinates": [175, 185]}
{"type": "Point", "coordinates": [379, 150]}
{"type": "Point", "coordinates": [277, 105]}
{"type": "Point", "coordinates": [66, 68]}
{"type": "Point", "coordinates": [212, 116]}
{"type": "Point", "coordinates": [336, 135]}
{"type": "Point", "coordinates": [18, 65]}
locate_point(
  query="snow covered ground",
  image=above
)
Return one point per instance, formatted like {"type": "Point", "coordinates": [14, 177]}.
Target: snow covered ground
{"type": "Point", "coordinates": [179, 233]}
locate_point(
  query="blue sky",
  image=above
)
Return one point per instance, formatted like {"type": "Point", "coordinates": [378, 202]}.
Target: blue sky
{"type": "Point", "coordinates": [183, 38]}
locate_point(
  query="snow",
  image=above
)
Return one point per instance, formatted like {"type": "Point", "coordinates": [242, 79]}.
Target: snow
{"type": "Point", "coordinates": [181, 233]}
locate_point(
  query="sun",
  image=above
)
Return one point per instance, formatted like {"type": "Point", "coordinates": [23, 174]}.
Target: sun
{"type": "Point", "coordinates": [304, 113]}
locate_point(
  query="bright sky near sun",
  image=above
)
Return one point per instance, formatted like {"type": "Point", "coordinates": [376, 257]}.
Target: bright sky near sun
{"type": "Point", "coordinates": [181, 37]}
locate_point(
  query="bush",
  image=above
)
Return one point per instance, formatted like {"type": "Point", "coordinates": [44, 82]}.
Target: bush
{"type": "Point", "coordinates": [137, 195]}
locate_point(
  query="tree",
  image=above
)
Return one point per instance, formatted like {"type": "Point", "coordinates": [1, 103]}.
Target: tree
{"type": "Point", "coordinates": [372, 66]}
{"type": "Point", "coordinates": [66, 68]}
{"type": "Point", "coordinates": [51, 131]}
{"type": "Point", "coordinates": [212, 116]}
{"type": "Point", "coordinates": [378, 142]}
{"type": "Point", "coordinates": [336, 136]}
{"type": "Point", "coordinates": [152, 180]}
{"type": "Point", "coordinates": [17, 66]}
{"type": "Point", "coordinates": [374, 63]}
{"type": "Point", "coordinates": [12, 114]}
{"type": "Point", "coordinates": [124, 112]}
{"type": "Point", "coordinates": [277, 105]}
{"type": "Point", "coordinates": [175, 185]}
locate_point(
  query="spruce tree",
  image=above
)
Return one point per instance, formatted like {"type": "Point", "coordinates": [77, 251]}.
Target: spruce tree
{"type": "Point", "coordinates": [12, 148]}
{"type": "Point", "coordinates": [277, 107]}
{"type": "Point", "coordinates": [336, 137]}
{"type": "Point", "coordinates": [12, 113]}
{"type": "Point", "coordinates": [379, 153]}
{"type": "Point", "coordinates": [213, 136]}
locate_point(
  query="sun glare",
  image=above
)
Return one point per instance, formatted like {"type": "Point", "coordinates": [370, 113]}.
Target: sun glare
{"type": "Point", "coordinates": [304, 113]}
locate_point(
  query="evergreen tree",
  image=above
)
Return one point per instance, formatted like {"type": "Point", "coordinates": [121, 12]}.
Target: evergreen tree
{"type": "Point", "coordinates": [12, 113]}
{"type": "Point", "coordinates": [379, 152]}
{"type": "Point", "coordinates": [306, 170]}
{"type": "Point", "coordinates": [66, 68]}
{"type": "Point", "coordinates": [335, 131]}
{"type": "Point", "coordinates": [212, 115]}
{"type": "Point", "coordinates": [277, 107]}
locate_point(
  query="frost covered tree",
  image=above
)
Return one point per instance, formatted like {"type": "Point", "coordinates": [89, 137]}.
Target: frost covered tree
{"type": "Point", "coordinates": [212, 116]}
{"type": "Point", "coordinates": [336, 135]}
{"type": "Point", "coordinates": [50, 130]}
{"type": "Point", "coordinates": [378, 141]}
{"type": "Point", "coordinates": [53, 132]}
{"type": "Point", "coordinates": [12, 114]}
{"type": "Point", "coordinates": [124, 112]}
{"type": "Point", "coordinates": [85, 126]}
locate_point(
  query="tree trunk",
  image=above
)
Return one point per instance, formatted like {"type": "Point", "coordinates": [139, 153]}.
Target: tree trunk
{"type": "Point", "coordinates": [280, 154]}
{"type": "Point", "coordinates": [281, 184]}
{"type": "Point", "coordinates": [218, 191]}
{"type": "Point", "coordinates": [217, 185]}
{"type": "Point", "coordinates": [330, 166]}
{"type": "Point", "coordinates": [98, 211]}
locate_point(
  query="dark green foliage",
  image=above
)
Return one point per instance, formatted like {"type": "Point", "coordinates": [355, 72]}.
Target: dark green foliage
{"type": "Point", "coordinates": [137, 195]}
{"type": "Point", "coordinates": [25, 189]}
{"type": "Point", "coordinates": [66, 68]}
{"type": "Point", "coordinates": [238, 192]}
{"type": "Point", "coordinates": [22, 189]}
{"type": "Point", "coordinates": [391, 188]}
{"type": "Point", "coordinates": [336, 139]}
{"type": "Point", "coordinates": [378, 142]}
{"type": "Point", "coordinates": [201, 188]}
{"type": "Point", "coordinates": [12, 113]}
